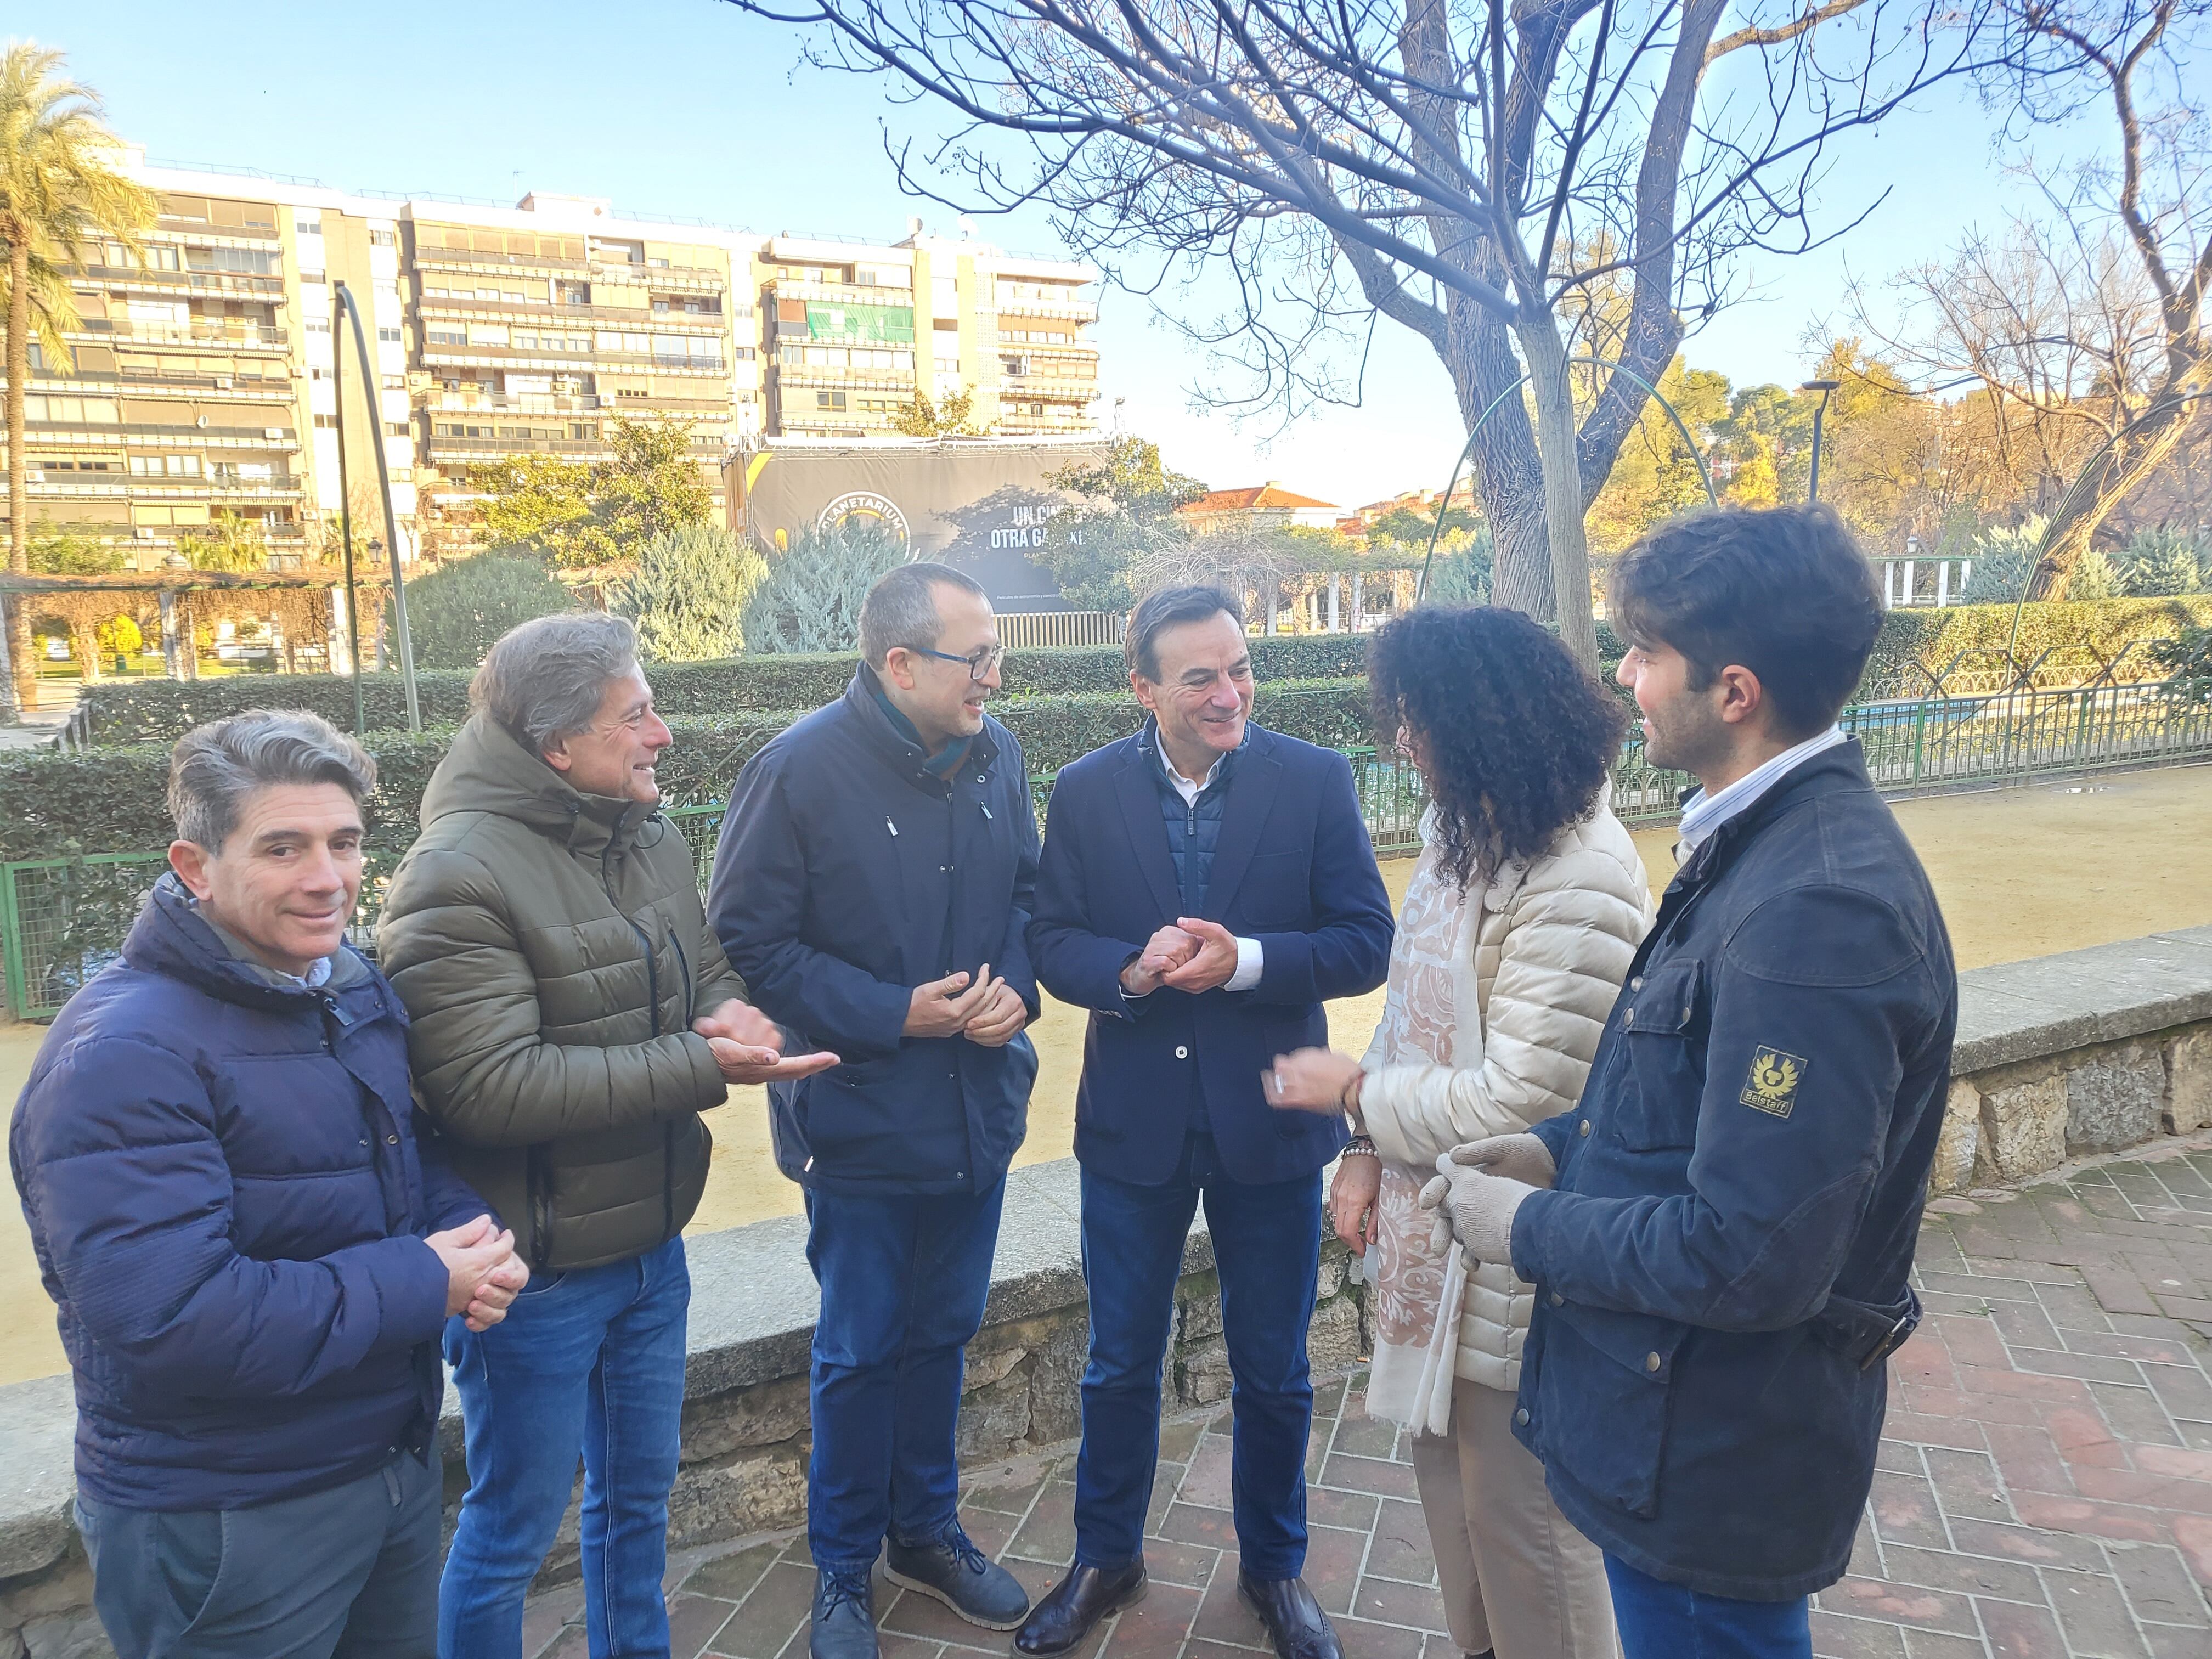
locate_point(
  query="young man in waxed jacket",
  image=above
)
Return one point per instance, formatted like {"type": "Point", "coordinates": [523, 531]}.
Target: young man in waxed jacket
{"type": "Point", "coordinates": [1721, 1235]}
{"type": "Point", "coordinates": [873, 884]}
{"type": "Point", "coordinates": [572, 1015]}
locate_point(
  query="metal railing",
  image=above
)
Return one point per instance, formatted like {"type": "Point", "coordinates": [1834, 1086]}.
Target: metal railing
{"type": "Point", "coordinates": [1025, 631]}
{"type": "Point", "coordinates": [62, 919]}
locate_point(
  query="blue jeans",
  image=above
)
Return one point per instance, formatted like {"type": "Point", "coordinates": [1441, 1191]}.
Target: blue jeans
{"type": "Point", "coordinates": [1267, 1250]}
{"type": "Point", "coordinates": [903, 1280]}
{"type": "Point", "coordinates": [350, 1572]}
{"type": "Point", "coordinates": [589, 1361]}
{"type": "Point", "coordinates": [1660, 1620]}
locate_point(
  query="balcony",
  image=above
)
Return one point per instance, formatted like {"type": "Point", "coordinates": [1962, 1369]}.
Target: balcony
{"type": "Point", "coordinates": [515, 402]}
{"type": "Point", "coordinates": [1049, 390]}
{"type": "Point", "coordinates": [851, 379]}
{"type": "Point", "coordinates": [1079, 311]}
{"type": "Point", "coordinates": [583, 449]}
{"type": "Point", "coordinates": [201, 230]}
{"type": "Point", "coordinates": [485, 356]}
{"type": "Point", "coordinates": [111, 486]}
{"type": "Point", "coordinates": [838, 293]}
{"type": "Point", "coordinates": [462, 258]}
{"type": "Point", "coordinates": [622, 317]}
{"type": "Point", "coordinates": [107, 435]}
{"type": "Point", "coordinates": [210, 333]}
{"type": "Point", "coordinates": [137, 278]}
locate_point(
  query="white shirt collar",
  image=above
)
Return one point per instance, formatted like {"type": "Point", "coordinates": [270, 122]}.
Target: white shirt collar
{"type": "Point", "coordinates": [1183, 786]}
{"type": "Point", "coordinates": [1705, 813]}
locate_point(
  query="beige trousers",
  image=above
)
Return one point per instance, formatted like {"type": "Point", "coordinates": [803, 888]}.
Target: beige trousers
{"type": "Point", "coordinates": [1517, 1577]}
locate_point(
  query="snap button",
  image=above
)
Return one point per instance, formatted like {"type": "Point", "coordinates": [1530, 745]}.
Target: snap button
{"type": "Point", "coordinates": [1635, 984]}
{"type": "Point", "coordinates": [1652, 1362]}
{"type": "Point", "coordinates": [391, 1140]}
{"type": "Point", "coordinates": [1521, 1416]}
{"type": "Point", "coordinates": [1584, 1130]}
{"type": "Point", "coordinates": [1629, 1018]}
{"type": "Point", "coordinates": [1559, 1301]}
{"type": "Point", "coordinates": [1181, 1053]}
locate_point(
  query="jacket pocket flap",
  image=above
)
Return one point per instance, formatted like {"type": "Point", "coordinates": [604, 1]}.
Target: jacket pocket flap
{"type": "Point", "coordinates": [1640, 1343]}
{"type": "Point", "coordinates": [1666, 1003]}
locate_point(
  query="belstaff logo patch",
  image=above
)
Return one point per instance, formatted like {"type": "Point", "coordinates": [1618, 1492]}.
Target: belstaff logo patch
{"type": "Point", "coordinates": [1773, 1085]}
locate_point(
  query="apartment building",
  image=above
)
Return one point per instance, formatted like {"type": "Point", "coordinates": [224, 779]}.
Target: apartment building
{"type": "Point", "coordinates": [202, 382]}
{"type": "Point", "coordinates": [851, 332]}
{"type": "Point", "coordinates": [199, 383]}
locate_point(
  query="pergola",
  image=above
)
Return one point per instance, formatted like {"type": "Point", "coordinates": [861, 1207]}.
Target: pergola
{"type": "Point", "coordinates": [169, 586]}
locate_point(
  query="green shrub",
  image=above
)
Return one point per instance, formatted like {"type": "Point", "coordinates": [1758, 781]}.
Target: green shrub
{"type": "Point", "coordinates": [457, 611]}
{"type": "Point", "coordinates": [810, 600]}
{"type": "Point", "coordinates": [688, 594]}
{"type": "Point", "coordinates": [111, 800]}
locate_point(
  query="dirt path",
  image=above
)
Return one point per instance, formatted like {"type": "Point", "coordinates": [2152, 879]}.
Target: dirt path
{"type": "Point", "coordinates": [2020, 872]}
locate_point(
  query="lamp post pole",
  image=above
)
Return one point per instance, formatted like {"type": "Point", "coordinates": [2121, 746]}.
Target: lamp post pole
{"type": "Point", "coordinates": [1826, 389]}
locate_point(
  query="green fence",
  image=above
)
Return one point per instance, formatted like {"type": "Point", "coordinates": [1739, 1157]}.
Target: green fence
{"type": "Point", "coordinates": [62, 919]}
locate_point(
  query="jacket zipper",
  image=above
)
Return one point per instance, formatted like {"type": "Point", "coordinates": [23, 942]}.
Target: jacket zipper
{"type": "Point", "coordinates": [653, 1014]}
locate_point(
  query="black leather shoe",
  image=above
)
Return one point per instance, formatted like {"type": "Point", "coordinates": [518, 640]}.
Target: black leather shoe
{"type": "Point", "coordinates": [1076, 1605]}
{"type": "Point", "coordinates": [1296, 1624]}
{"type": "Point", "coordinates": [844, 1623]}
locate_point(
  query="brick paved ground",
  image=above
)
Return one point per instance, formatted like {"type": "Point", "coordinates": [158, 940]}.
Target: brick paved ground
{"type": "Point", "coordinates": [2046, 1487]}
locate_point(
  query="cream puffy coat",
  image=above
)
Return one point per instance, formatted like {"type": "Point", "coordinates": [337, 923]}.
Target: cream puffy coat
{"type": "Point", "coordinates": [1541, 952]}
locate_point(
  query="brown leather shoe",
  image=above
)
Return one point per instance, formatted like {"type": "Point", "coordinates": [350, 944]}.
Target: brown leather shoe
{"type": "Point", "coordinates": [1076, 1605]}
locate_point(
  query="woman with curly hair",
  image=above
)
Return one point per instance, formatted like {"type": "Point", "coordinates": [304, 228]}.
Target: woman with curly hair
{"type": "Point", "coordinates": [1518, 924]}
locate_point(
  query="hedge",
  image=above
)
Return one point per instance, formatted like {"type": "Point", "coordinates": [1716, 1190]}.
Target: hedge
{"type": "Point", "coordinates": [111, 800]}
{"type": "Point", "coordinates": [1933, 637]}
{"type": "Point", "coordinates": [161, 711]}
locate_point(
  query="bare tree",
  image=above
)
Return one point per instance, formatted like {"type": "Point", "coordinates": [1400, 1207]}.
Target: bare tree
{"type": "Point", "coordinates": [2083, 322]}
{"type": "Point", "coordinates": [1464, 168]}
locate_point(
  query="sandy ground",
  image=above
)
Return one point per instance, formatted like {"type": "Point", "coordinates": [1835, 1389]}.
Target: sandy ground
{"type": "Point", "coordinates": [2020, 872]}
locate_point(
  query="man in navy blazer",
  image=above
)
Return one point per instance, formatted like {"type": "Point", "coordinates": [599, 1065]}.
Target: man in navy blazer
{"type": "Point", "coordinates": [1205, 886]}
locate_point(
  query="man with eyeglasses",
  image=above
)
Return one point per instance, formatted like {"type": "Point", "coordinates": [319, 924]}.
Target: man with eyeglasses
{"type": "Point", "coordinates": [874, 887]}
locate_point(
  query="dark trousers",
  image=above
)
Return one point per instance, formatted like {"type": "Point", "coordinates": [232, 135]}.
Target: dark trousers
{"type": "Point", "coordinates": [350, 1573]}
{"type": "Point", "coordinates": [1267, 1250]}
{"type": "Point", "coordinates": [1660, 1620]}
{"type": "Point", "coordinates": [903, 1279]}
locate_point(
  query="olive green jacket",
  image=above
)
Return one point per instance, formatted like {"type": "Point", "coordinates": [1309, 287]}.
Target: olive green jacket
{"type": "Point", "coordinates": [552, 952]}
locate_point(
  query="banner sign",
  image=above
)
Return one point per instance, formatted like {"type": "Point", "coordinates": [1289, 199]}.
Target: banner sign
{"type": "Point", "coordinates": [980, 505]}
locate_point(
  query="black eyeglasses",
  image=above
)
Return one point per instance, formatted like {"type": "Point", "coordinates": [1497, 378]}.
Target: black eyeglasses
{"type": "Point", "coordinates": [980, 663]}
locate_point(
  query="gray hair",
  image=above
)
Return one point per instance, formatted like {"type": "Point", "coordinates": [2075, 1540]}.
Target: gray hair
{"type": "Point", "coordinates": [1163, 609]}
{"type": "Point", "coordinates": [901, 609]}
{"type": "Point", "coordinates": [544, 680]}
{"type": "Point", "coordinates": [213, 767]}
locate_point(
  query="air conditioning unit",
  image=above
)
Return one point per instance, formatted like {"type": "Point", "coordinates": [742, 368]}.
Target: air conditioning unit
{"type": "Point", "coordinates": [224, 382]}
{"type": "Point", "coordinates": [272, 431]}
{"type": "Point", "coordinates": [33, 475]}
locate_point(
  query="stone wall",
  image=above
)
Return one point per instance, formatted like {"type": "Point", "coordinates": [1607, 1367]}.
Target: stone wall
{"type": "Point", "coordinates": [2056, 1058]}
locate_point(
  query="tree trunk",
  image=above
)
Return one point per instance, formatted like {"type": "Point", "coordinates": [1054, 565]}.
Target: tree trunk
{"type": "Point", "coordinates": [2111, 476]}
{"type": "Point", "coordinates": [84, 646]}
{"type": "Point", "coordinates": [1508, 479]}
{"type": "Point", "coordinates": [22, 692]}
{"type": "Point", "coordinates": [1563, 487]}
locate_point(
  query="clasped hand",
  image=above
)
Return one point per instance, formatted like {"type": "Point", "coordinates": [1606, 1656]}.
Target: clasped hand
{"type": "Point", "coordinates": [1190, 954]}
{"type": "Point", "coordinates": [483, 1271]}
{"type": "Point", "coordinates": [989, 1012]}
{"type": "Point", "coordinates": [749, 1046]}
{"type": "Point", "coordinates": [1478, 1189]}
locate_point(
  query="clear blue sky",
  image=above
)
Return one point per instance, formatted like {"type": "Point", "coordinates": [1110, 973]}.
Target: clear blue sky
{"type": "Point", "coordinates": [687, 106]}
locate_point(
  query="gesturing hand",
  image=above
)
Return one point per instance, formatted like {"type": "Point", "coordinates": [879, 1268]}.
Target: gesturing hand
{"type": "Point", "coordinates": [1310, 1081]}
{"type": "Point", "coordinates": [748, 1046]}
{"type": "Point", "coordinates": [1523, 1157]}
{"type": "Point", "coordinates": [1213, 963]}
{"type": "Point", "coordinates": [1168, 949]}
{"type": "Point", "coordinates": [943, 1006]}
{"type": "Point", "coordinates": [996, 1022]}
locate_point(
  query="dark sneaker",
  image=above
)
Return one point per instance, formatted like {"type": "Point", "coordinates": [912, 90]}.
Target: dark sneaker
{"type": "Point", "coordinates": [844, 1625]}
{"type": "Point", "coordinates": [956, 1573]}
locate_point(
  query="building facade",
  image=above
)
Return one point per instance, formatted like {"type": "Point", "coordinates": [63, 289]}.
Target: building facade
{"type": "Point", "coordinates": [201, 388]}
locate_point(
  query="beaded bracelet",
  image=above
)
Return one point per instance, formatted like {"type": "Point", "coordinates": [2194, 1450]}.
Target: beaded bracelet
{"type": "Point", "coordinates": [1359, 1146]}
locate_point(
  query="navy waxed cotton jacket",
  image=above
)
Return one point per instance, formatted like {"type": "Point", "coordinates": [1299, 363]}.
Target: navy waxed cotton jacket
{"type": "Point", "coordinates": [1750, 1155]}
{"type": "Point", "coordinates": [849, 872]}
{"type": "Point", "coordinates": [225, 1194]}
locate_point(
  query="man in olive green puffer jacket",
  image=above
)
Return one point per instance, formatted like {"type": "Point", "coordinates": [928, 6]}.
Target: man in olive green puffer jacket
{"type": "Point", "coordinates": [573, 1014]}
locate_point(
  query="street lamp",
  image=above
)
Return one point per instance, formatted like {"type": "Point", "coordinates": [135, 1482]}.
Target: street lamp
{"type": "Point", "coordinates": [1826, 389]}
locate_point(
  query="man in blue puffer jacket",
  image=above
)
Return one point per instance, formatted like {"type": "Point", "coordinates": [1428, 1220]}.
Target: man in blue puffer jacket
{"type": "Point", "coordinates": [252, 1258]}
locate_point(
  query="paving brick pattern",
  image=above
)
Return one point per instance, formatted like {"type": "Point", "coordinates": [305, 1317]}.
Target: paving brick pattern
{"type": "Point", "coordinates": [2045, 1484]}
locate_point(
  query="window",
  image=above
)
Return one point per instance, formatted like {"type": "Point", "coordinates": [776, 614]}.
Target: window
{"type": "Point", "coordinates": [395, 429]}
{"type": "Point", "coordinates": [383, 239]}
{"type": "Point", "coordinates": [327, 423]}
{"type": "Point", "coordinates": [389, 336]}
{"type": "Point", "coordinates": [745, 354]}
{"type": "Point", "coordinates": [449, 337]}
{"type": "Point", "coordinates": [170, 466]}
{"type": "Point", "coordinates": [395, 383]}
{"type": "Point", "coordinates": [830, 400]}
{"type": "Point", "coordinates": [308, 227]}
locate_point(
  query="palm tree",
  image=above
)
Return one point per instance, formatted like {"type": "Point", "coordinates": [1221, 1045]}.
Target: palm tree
{"type": "Point", "coordinates": [61, 189]}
